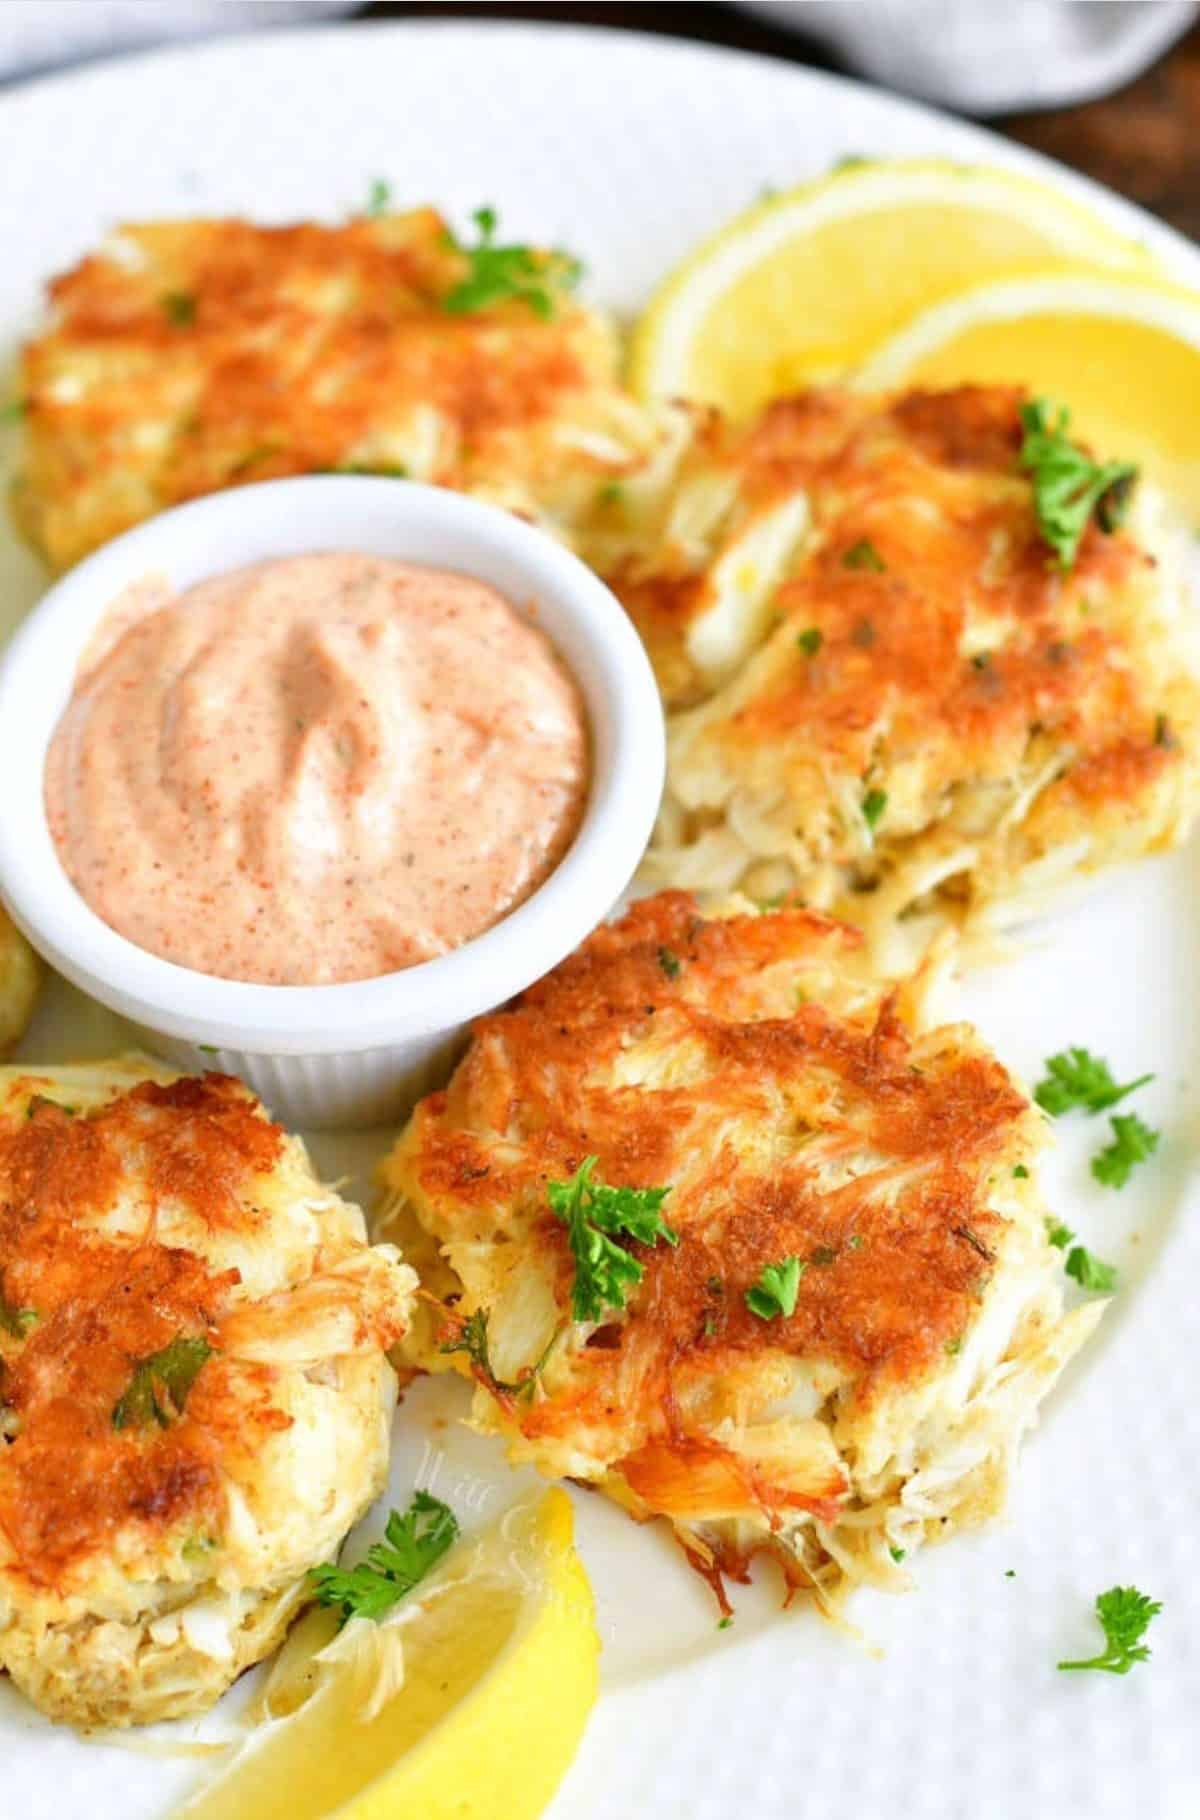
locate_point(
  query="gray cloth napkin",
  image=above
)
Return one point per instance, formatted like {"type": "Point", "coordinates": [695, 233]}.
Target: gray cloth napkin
{"type": "Point", "coordinates": [38, 35]}
{"type": "Point", "coordinates": [991, 56]}
{"type": "Point", "coordinates": [981, 56]}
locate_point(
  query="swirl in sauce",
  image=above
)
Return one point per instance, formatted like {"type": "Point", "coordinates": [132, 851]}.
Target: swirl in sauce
{"type": "Point", "coordinates": [315, 769]}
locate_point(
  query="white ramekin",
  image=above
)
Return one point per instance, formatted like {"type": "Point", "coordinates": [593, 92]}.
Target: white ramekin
{"type": "Point", "coordinates": [354, 1054]}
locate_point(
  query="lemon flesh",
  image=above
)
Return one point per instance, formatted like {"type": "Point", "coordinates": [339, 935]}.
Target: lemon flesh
{"type": "Point", "coordinates": [800, 288]}
{"type": "Point", "coordinates": [1123, 354]}
{"type": "Point", "coordinates": [499, 1675]}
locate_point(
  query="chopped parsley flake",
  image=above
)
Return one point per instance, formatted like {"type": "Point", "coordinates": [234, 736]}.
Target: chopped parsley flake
{"type": "Point", "coordinates": [16, 1321]}
{"type": "Point", "coordinates": [776, 1289]}
{"type": "Point", "coordinates": [670, 963]}
{"type": "Point", "coordinates": [897, 1554]}
{"type": "Point", "coordinates": [873, 805]}
{"type": "Point", "coordinates": [810, 641]}
{"type": "Point", "coordinates": [1089, 1271]}
{"type": "Point", "coordinates": [1125, 1615]}
{"type": "Point", "coordinates": [592, 1211]}
{"type": "Point", "coordinates": [1058, 1235]}
{"type": "Point", "coordinates": [1132, 1142]}
{"type": "Point", "coordinates": [1021, 1173]}
{"type": "Point", "coordinates": [864, 555]}
{"type": "Point", "coordinates": [179, 307]}
{"type": "Point", "coordinates": [160, 1384]}
{"type": "Point", "coordinates": [1076, 1079]}
{"type": "Point", "coordinates": [38, 1101]}
{"type": "Point", "coordinates": [497, 273]}
{"type": "Point", "coordinates": [412, 1544]}
{"type": "Point", "coordinates": [381, 470]}
{"type": "Point", "coordinates": [379, 197]}
{"type": "Point", "coordinates": [263, 451]}
{"type": "Point", "coordinates": [1068, 486]}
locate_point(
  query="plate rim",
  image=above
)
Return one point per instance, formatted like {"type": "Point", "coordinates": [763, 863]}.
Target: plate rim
{"type": "Point", "coordinates": [21, 91]}
{"type": "Point", "coordinates": [767, 1653]}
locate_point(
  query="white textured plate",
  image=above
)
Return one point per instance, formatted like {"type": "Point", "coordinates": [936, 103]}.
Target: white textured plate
{"type": "Point", "coordinates": [626, 149]}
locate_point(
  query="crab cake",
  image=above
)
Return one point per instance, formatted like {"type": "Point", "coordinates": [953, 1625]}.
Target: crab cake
{"type": "Point", "coordinates": [826, 1338]}
{"type": "Point", "coordinates": [19, 981]}
{"type": "Point", "coordinates": [186, 356]}
{"type": "Point", "coordinates": [195, 1396]}
{"type": "Point", "coordinates": [884, 692]}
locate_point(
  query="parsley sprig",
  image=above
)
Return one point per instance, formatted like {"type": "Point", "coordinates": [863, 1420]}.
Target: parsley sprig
{"type": "Point", "coordinates": [496, 273]}
{"type": "Point", "coordinates": [1124, 1615]}
{"type": "Point", "coordinates": [1076, 1079]}
{"type": "Point", "coordinates": [412, 1544]}
{"type": "Point", "coordinates": [592, 1212]}
{"type": "Point", "coordinates": [160, 1384]}
{"type": "Point", "coordinates": [471, 1337]}
{"type": "Point", "coordinates": [1068, 486]}
{"type": "Point", "coordinates": [1132, 1142]}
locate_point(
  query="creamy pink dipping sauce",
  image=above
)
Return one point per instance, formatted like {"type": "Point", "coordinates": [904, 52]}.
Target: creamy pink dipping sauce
{"type": "Point", "coordinates": [315, 769]}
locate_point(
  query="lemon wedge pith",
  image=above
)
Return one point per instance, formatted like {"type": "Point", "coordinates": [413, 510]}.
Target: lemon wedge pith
{"type": "Point", "coordinates": [802, 286]}
{"type": "Point", "coordinates": [499, 1652]}
{"type": "Point", "coordinates": [1123, 352]}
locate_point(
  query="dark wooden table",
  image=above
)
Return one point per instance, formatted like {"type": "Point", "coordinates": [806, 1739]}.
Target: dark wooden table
{"type": "Point", "coordinates": [1143, 141]}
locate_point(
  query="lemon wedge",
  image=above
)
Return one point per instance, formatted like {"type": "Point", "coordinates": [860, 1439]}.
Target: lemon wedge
{"type": "Point", "coordinates": [19, 981]}
{"type": "Point", "coordinates": [1122, 352]}
{"type": "Point", "coordinates": [804, 285]}
{"type": "Point", "coordinates": [468, 1703]}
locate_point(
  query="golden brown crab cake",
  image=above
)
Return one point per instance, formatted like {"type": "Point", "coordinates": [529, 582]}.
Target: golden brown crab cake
{"type": "Point", "coordinates": [187, 356]}
{"type": "Point", "coordinates": [885, 693]}
{"type": "Point", "coordinates": [20, 977]}
{"type": "Point", "coordinates": [195, 1394]}
{"type": "Point", "coordinates": [751, 1066]}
